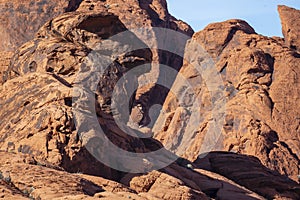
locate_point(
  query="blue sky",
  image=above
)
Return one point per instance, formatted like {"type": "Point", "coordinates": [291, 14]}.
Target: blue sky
{"type": "Point", "coordinates": [262, 15]}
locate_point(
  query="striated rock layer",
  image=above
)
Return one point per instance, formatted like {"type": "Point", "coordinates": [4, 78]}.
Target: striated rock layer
{"type": "Point", "coordinates": [245, 104]}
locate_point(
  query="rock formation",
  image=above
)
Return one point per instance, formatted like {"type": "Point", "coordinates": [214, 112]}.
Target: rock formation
{"type": "Point", "coordinates": [20, 20]}
{"type": "Point", "coordinates": [261, 116]}
{"type": "Point", "coordinates": [47, 67]}
{"type": "Point", "coordinates": [5, 57]}
{"type": "Point", "coordinates": [44, 148]}
{"type": "Point", "coordinates": [290, 26]}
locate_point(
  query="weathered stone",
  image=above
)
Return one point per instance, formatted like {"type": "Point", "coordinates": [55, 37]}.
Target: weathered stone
{"type": "Point", "coordinates": [261, 115]}
{"type": "Point", "coordinates": [290, 26]}
{"type": "Point", "coordinates": [47, 115]}
{"type": "Point", "coordinates": [20, 20]}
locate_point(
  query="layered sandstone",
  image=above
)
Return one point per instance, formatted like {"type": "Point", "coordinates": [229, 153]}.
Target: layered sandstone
{"type": "Point", "coordinates": [243, 102]}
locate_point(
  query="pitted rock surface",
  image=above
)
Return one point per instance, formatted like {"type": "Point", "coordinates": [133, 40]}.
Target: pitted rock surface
{"type": "Point", "coordinates": [43, 154]}
{"type": "Point", "coordinates": [20, 20]}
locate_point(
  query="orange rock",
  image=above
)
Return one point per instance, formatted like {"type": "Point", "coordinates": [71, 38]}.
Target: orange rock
{"type": "Point", "coordinates": [290, 26]}
{"type": "Point", "coordinates": [44, 151]}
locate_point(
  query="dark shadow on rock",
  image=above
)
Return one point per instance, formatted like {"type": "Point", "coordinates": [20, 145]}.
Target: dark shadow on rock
{"type": "Point", "coordinates": [90, 188]}
{"type": "Point", "coordinates": [145, 5]}
{"type": "Point", "coordinates": [249, 172]}
{"type": "Point", "coordinates": [83, 162]}
{"type": "Point", "coordinates": [213, 187]}
{"type": "Point", "coordinates": [73, 5]}
{"type": "Point", "coordinates": [244, 170]}
{"type": "Point", "coordinates": [181, 169]}
{"type": "Point", "coordinates": [78, 159]}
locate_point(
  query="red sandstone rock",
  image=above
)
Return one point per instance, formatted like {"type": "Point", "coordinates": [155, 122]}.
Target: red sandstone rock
{"type": "Point", "coordinates": [290, 26]}
{"type": "Point", "coordinates": [4, 63]}
{"type": "Point", "coordinates": [260, 81]}
{"type": "Point", "coordinates": [20, 20]}
{"type": "Point", "coordinates": [43, 155]}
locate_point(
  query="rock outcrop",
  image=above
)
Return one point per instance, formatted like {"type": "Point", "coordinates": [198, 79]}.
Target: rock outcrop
{"type": "Point", "coordinates": [48, 69]}
{"type": "Point", "coordinates": [250, 174]}
{"type": "Point", "coordinates": [258, 92]}
{"type": "Point", "coordinates": [53, 101]}
{"type": "Point", "coordinates": [5, 57]}
{"type": "Point", "coordinates": [213, 181]}
{"type": "Point", "coordinates": [20, 20]}
{"type": "Point", "coordinates": [290, 26]}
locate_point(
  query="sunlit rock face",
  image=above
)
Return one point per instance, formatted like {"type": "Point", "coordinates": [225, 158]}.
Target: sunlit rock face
{"type": "Point", "coordinates": [290, 26]}
{"type": "Point", "coordinates": [20, 20]}
{"type": "Point", "coordinates": [250, 114]}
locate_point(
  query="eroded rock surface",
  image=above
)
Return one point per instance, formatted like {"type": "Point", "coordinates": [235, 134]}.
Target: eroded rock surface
{"type": "Point", "coordinates": [20, 20]}
{"type": "Point", "coordinates": [5, 57]}
{"type": "Point", "coordinates": [55, 62]}
{"type": "Point", "coordinates": [290, 26]}
{"type": "Point", "coordinates": [257, 101]}
{"type": "Point", "coordinates": [250, 173]}
{"type": "Point", "coordinates": [44, 139]}
{"type": "Point", "coordinates": [177, 181]}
